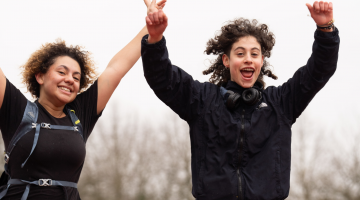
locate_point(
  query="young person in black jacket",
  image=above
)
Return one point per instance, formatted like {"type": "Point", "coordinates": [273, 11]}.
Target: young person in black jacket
{"type": "Point", "coordinates": [240, 132]}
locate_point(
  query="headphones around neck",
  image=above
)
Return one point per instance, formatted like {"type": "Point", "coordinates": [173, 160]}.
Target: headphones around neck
{"type": "Point", "coordinates": [249, 96]}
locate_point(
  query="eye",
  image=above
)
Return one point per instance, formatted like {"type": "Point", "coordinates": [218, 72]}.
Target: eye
{"type": "Point", "coordinates": [76, 78]}
{"type": "Point", "coordinates": [240, 54]}
{"type": "Point", "coordinates": [60, 72]}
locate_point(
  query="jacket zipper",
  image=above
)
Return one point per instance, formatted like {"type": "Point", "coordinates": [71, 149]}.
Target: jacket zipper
{"type": "Point", "coordinates": [240, 150]}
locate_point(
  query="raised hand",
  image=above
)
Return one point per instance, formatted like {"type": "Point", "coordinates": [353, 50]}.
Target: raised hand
{"type": "Point", "coordinates": [321, 12]}
{"type": "Point", "coordinates": [156, 20]}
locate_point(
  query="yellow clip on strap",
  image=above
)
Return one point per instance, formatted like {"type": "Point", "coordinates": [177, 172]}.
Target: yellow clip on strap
{"type": "Point", "coordinates": [77, 121]}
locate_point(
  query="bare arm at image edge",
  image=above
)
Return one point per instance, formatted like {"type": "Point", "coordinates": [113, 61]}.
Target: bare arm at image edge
{"type": "Point", "coordinates": [2, 87]}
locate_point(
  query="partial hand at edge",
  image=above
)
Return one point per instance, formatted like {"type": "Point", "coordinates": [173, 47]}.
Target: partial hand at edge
{"type": "Point", "coordinates": [2, 86]}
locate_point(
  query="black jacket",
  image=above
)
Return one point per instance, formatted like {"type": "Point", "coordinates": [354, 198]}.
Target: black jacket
{"type": "Point", "coordinates": [245, 153]}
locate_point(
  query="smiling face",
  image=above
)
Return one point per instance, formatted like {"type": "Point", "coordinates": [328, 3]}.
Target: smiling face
{"type": "Point", "coordinates": [245, 61]}
{"type": "Point", "coordinates": [61, 83]}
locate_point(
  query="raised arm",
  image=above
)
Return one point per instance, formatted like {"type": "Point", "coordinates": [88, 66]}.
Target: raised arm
{"type": "Point", "coordinates": [2, 86]}
{"type": "Point", "coordinates": [118, 66]}
{"type": "Point", "coordinates": [298, 91]}
{"type": "Point", "coordinates": [156, 21]}
{"type": "Point", "coordinates": [171, 84]}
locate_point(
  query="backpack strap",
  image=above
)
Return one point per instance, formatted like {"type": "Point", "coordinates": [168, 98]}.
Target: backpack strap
{"type": "Point", "coordinates": [27, 123]}
{"type": "Point", "coordinates": [76, 122]}
{"type": "Point", "coordinates": [77, 128]}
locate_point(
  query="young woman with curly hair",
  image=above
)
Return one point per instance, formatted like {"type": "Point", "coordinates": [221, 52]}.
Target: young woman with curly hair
{"type": "Point", "coordinates": [62, 79]}
{"type": "Point", "coordinates": [240, 132]}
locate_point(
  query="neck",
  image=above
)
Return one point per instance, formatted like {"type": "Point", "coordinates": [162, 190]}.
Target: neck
{"type": "Point", "coordinates": [55, 111]}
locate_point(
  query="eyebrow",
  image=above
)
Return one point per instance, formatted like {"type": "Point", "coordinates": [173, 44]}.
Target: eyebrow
{"type": "Point", "coordinates": [67, 69]}
{"type": "Point", "coordinates": [254, 48]}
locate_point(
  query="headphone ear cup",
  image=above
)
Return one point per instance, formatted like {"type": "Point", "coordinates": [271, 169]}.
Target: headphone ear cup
{"type": "Point", "coordinates": [251, 96]}
{"type": "Point", "coordinates": [233, 100]}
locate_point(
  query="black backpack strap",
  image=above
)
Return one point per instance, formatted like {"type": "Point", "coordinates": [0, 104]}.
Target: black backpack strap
{"type": "Point", "coordinates": [76, 122]}
{"type": "Point", "coordinates": [27, 123]}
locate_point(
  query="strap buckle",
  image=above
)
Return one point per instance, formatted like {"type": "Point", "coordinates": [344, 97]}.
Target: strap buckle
{"type": "Point", "coordinates": [45, 125]}
{"type": "Point", "coordinates": [45, 182]}
{"type": "Point", "coordinates": [76, 128]}
{"type": "Point", "coordinates": [33, 125]}
{"type": "Point", "coordinates": [6, 158]}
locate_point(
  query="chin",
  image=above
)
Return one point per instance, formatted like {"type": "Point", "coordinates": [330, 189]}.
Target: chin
{"type": "Point", "coordinates": [66, 100]}
{"type": "Point", "coordinates": [246, 85]}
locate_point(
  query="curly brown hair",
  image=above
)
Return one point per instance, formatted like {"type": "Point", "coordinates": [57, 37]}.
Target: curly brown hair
{"type": "Point", "coordinates": [42, 59]}
{"type": "Point", "coordinates": [231, 33]}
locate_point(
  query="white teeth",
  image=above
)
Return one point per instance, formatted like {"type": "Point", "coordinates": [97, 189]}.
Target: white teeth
{"type": "Point", "coordinates": [248, 69]}
{"type": "Point", "coordinates": [65, 89]}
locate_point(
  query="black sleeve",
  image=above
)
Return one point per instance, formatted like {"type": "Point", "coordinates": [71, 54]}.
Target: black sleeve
{"type": "Point", "coordinates": [295, 94]}
{"type": "Point", "coordinates": [85, 106]}
{"type": "Point", "coordinates": [171, 84]}
{"type": "Point", "coordinates": [11, 112]}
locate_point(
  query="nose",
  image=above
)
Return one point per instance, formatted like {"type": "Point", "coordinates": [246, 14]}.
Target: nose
{"type": "Point", "coordinates": [69, 79]}
{"type": "Point", "coordinates": [248, 58]}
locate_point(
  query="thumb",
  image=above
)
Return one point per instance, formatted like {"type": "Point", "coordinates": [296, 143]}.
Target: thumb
{"type": "Point", "coordinates": [311, 10]}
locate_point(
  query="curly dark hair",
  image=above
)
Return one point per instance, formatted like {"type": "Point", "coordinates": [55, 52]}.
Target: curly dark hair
{"type": "Point", "coordinates": [231, 33]}
{"type": "Point", "coordinates": [42, 59]}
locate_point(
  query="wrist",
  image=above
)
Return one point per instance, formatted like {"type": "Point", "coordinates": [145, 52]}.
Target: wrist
{"type": "Point", "coordinates": [328, 27]}
{"type": "Point", "coordinates": [152, 39]}
{"type": "Point", "coordinates": [327, 30]}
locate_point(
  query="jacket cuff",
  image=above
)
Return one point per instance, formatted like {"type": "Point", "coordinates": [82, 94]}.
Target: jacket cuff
{"type": "Point", "coordinates": [326, 36]}
{"type": "Point", "coordinates": [158, 45]}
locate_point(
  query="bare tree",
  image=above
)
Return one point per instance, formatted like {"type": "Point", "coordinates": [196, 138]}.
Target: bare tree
{"type": "Point", "coordinates": [322, 168]}
{"type": "Point", "coordinates": [132, 160]}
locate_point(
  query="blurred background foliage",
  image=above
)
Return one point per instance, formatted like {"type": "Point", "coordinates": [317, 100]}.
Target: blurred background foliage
{"type": "Point", "coordinates": [132, 160]}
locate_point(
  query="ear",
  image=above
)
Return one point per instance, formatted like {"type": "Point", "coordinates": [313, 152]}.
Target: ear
{"type": "Point", "coordinates": [226, 61]}
{"type": "Point", "coordinates": [262, 60]}
{"type": "Point", "coordinates": [39, 78]}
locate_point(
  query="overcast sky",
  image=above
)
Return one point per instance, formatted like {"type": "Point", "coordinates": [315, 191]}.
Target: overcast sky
{"type": "Point", "coordinates": [104, 27]}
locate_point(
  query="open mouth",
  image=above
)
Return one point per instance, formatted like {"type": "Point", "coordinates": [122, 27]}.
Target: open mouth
{"type": "Point", "coordinates": [247, 72]}
{"type": "Point", "coordinates": [65, 89]}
